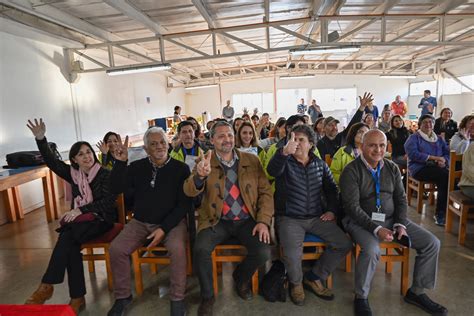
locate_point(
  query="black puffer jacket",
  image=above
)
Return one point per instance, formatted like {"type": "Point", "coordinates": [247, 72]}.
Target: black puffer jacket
{"type": "Point", "coordinates": [301, 190]}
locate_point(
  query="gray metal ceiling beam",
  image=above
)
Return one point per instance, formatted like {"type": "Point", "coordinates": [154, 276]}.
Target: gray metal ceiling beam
{"type": "Point", "coordinates": [457, 80]}
{"type": "Point", "coordinates": [187, 47]}
{"type": "Point", "coordinates": [128, 9]}
{"type": "Point", "coordinates": [295, 34]}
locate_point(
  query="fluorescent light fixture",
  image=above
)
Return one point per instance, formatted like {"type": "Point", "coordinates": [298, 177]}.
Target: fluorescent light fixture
{"type": "Point", "coordinates": [407, 76]}
{"type": "Point", "coordinates": [138, 69]}
{"type": "Point", "coordinates": [324, 50]}
{"type": "Point", "coordinates": [201, 87]}
{"type": "Point", "coordinates": [297, 77]}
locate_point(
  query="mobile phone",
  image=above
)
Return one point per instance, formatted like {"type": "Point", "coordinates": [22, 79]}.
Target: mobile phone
{"type": "Point", "coordinates": [404, 241]}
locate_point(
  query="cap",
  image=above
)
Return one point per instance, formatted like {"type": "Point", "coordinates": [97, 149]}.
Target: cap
{"type": "Point", "coordinates": [330, 119]}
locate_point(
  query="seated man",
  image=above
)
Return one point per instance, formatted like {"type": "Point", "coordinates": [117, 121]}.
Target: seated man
{"type": "Point", "coordinates": [155, 184]}
{"type": "Point", "coordinates": [301, 181]}
{"type": "Point", "coordinates": [237, 202]}
{"type": "Point", "coordinates": [376, 207]}
{"type": "Point", "coordinates": [188, 148]}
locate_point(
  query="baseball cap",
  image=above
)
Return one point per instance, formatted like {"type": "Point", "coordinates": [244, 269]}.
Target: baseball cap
{"type": "Point", "coordinates": [330, 119]}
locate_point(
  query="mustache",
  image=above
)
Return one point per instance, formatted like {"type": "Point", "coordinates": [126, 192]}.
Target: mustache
{"type": "Point", "coordinates": [226, 143]}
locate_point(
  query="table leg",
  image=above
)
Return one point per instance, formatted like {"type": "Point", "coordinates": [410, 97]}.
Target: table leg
{"type": "Point", "coordinates": [48, 199]}
{"type": "Point", "coordinates": [9, 205]}
{"type": "Point", "coordinates": [55, 194]}
{"type": "Point", "coordinates": [17, 201]}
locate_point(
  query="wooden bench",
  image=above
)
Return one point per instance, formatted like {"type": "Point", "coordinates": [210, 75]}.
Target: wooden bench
{"type": "Point", "coordinates": [458, 203]}
{"type": "Point", "coordinates": [420, 187]}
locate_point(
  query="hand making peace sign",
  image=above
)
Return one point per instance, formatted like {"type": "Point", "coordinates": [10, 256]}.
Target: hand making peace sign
{"type": "Point", "coordinates": [203, 168]}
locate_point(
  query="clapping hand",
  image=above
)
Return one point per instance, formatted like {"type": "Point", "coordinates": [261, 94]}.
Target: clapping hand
{"type": "Point", "coordinates": [203, 168]}
{"type": "Point", "coordinates": [102, 147]}
{"type": "Point", "coordinates": [291, 146]}
{"type": "Point", "coordinates": [365, 100]}
{"type": "Point", "coordinates": [121, 149]}
{"type": "Point", "coordinates": [37, 128]}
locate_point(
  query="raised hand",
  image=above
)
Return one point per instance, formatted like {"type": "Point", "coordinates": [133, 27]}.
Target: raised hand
{"type": "Point", "coordinates": [365, 100]}
{"type": "Point", "coordinates": [37, 128]}
{"type": "Point", "coordinates": [203, 168]}
{"type": "Point", "coordinates": [121, 149]}
{"type": "Point", "coordinates": [291, 146]}
{"type": "Point", "coordinates": [102, 147]}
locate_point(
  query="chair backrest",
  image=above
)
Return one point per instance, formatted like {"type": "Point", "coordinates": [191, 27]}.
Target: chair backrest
{"type": "Point", "coordinates": [389, 147]}
{"type": "Point", "coordinates": [121, 208]}
{"type": "Point", "coordinates": [454, 174]}
{"type": "Point", "coordinates": [328, 159]}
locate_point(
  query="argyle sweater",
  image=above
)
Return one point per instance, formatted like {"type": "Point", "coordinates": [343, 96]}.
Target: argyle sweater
{"type": "Point", "coordinates": [233, 208]}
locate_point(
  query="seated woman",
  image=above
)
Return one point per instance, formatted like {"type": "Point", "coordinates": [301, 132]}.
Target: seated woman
{"type": "Point", "coordinates": [106, 147]}
{"type": "Point", "coordinates": [397, 136]}
{"type": "Point", "coordinates": [444, 125]}
{"type": "Point", "coordinates": [276, 133]}
{"type": "Point", "coordinates": [92, 214]}
{"type": "Point", "coordinates": [461, 140]}
{"type": "Point", "coordinates": [236, 124]}
{"type": "Point", "coordinates": [467, 179]}
{"type": "Point", "coordinates": [351, 151]}
{"type": "Point", "coordinates": [246, 140]}
{"type": "Point", "coordinates": [428, 160]}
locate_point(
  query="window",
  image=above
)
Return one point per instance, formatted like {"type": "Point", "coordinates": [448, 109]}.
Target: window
{"type": "Point", "coordinates": [339, 103]}
{"type": "Point", "coordinates": [417, 88]}
{"type": "Point", "coordinates": [451, 86]}
{"type": "Point", "coordinates": [262, 101]}
{"type": "Point", "coordinates": [469, 81]}
{"type": "Point", "coordinates": [288, 99]}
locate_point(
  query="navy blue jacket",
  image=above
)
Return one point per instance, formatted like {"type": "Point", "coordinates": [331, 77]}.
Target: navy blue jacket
{"type": "Point", "coordinates": [302, 191]}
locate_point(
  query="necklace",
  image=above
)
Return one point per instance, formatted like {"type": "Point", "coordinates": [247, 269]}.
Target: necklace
{"type": "Point", "coordinates": [155, 168]}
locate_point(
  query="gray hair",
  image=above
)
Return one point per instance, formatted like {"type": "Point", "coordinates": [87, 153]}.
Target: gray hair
{"type": "Point", "coordinates": [373, 131]}
{"type": "Point", "coordinates": [217, 124]}
{"type": "Point", "coordinates": [154, 130]}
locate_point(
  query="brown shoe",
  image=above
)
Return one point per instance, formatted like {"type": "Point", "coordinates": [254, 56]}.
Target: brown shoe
{"type": "Point", "coordinates": [77, 304]}
{"type": "Point", "coordinates": [206, 306]}
{"type": "Point", "coordinates": [42, 294]}
{"type": "Point", "coordinates": [297, 294]}
{"type": "Point", "coordinates": [319, 289]}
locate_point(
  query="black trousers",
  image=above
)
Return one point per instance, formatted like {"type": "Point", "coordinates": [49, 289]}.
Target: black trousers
{"type": "Point", "coordinates": [258, 253]}
{"type": "Point", "coordinates": [67, 255]}
{"type": "Point", "coordinates": [440, 176]}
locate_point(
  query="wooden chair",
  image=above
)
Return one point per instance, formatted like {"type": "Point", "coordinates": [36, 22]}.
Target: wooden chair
{"type": "Point", "coordinates": [394, 253]}
{"type": "Point", "coordinates": [104, 242]}
{"type": "Point", "coordinates": [229, 252]}
{"type": "Point", "coordinates": [420, 187]}
{"type": "Point", "coordinates": [154, 256]}
{"type": "Point", "coordinates": [458, 203]}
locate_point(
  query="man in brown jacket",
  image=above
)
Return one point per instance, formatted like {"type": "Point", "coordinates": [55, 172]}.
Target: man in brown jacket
{"type": "Point", "coordinates": [237, 203]}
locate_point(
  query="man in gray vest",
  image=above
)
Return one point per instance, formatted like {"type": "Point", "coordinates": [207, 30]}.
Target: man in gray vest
{"type": "Point", "coordinates": [376, 207]}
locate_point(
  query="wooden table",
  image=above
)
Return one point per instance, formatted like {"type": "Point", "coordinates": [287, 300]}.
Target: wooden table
{"type": "Point", "coordinates": [11, 179]}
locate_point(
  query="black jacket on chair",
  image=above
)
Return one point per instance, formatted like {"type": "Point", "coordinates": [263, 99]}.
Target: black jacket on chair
{"type": "Point", "coordinates": [303, 191]}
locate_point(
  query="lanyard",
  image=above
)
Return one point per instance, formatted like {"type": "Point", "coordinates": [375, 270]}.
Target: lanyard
{"type": "Point", "coordinates": [376, 177]}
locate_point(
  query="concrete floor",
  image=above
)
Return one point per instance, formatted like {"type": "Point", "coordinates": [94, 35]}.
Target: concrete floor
{"type": "Point", "coordinates": [25, 248]}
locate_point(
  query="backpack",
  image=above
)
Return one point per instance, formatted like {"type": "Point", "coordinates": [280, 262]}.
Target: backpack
{"type": "Point", "coordinates": [274, 284]}
{"type": "Point", "coordinates": [29, 158]}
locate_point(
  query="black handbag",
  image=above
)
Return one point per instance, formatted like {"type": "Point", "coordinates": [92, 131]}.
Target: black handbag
{"type": "Point", "coordinates": [29, 158]}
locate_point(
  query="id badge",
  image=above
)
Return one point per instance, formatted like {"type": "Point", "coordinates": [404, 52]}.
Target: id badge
{"type": "Point", "coordinates": [190, 161]}
{"type": "Point", "coordinates": [378, 217]}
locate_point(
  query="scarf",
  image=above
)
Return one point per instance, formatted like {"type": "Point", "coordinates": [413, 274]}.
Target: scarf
{"type": "Point", "coordinates": [430, 139]}
{"type": "Point", "coordinates": [82, 180]}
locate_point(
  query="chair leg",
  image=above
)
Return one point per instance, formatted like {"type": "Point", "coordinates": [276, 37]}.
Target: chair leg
{"type": "Point", "coordinates": [409, 192]}
{"type": "Point", "coordinates": [449, 218]}
{"type": "Point", "coordinates": [388, 263]}
{"type": "Point", "coordinates": [189, 262]}
{"type": "Point", "coordinates": [462, 224]}
{"type": "Point", "coordinates": [405, 267]}
{"type": "Point", "coordinates": [153, 268]}
{"type": "Point", "coordinates": [90, 263]}
{"type": "Point", "coordinates": [137, 270]}
{"type": "Point", "coordinates": [419, 198]}
{"type": "Point", "coordinates": [214, 272]}
{"type": "Point", "coordinates": [349, 261]}
{"type": "Point", "coordinates": [108, 269]}
{"type": "Point", "coordinates": [329, 281]}
{"type": "Point", "coordinates": [255, 283]}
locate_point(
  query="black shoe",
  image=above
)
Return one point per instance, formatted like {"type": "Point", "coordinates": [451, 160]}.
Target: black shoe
{"type": "Point", "coordinates": [206, 306]}
{"type": "Point", "coordinates": [178, 308]}
{"type": "Point", "coordinates": [362, 307]}
{"type": "Point", "coordinates": [425, 303]}
{"type": "Point", "coordinates": [243, 288]}
{"type": "Point", "coordinates": [118, 309]}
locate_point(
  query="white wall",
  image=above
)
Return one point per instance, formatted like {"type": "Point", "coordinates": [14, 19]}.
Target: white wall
{"type": "Point", "coordinates": [32, 85]}
{"type": "Point", "coordinates": [384, 90]}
